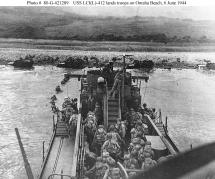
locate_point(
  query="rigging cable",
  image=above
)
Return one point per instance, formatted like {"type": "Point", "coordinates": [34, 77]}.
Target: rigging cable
{"type": "Point", "coordinates": [145, 91]}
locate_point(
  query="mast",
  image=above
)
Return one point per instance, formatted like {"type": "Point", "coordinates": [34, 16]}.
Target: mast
{"type": "Point", "coordinates": [123, 83]}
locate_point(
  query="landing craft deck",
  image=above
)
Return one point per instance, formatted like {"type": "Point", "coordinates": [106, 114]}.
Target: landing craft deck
{"type": "Point", "coordinates": [66, 154]}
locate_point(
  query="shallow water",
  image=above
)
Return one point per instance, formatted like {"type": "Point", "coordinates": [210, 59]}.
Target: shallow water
{"type": "Point", "coordinates": [187, 97]}
{"type": "Point", "coordinates": [24, 103]}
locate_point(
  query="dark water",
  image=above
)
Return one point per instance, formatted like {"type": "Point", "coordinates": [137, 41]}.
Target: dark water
{"type": "Point", "coordinates": [187, 97]}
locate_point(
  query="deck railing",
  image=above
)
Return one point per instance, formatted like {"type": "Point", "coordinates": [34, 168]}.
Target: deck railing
{"type": "Point", "coordinates": [49, 150]}
{"type": "Point", "coordinates": [120, 101]}
{"type": "Point", "coordinates": [105, 110]}
{"type": "Point", "coordinates": [167, 144]}
{"type": "Point", "coordinates": [76, 148]}
{"type": "Point", "coordinates": [123, 170]}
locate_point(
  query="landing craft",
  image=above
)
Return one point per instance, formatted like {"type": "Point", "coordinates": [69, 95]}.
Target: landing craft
{"type": "Point", "coordinates": [71, 152]}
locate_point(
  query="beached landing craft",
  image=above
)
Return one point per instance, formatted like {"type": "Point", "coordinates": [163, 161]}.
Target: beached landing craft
{"type": "Point", "coordinates": [26, 62]}
{"type": "Point", "coordinates": [111, 98]}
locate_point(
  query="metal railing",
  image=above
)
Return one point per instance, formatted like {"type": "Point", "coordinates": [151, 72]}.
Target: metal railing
{"type": "Point", "coordinates": [76, 149]}
{"type": "Point", "coordinates": [81, 153]}
{"type": "Point", "coordinates": [106, 108]}
{"type": "Point", "coordinates": [120, 112]}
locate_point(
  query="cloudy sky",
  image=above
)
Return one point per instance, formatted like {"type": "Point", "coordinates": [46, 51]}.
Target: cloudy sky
{"type": "Point", "coordinates": [191, 12]}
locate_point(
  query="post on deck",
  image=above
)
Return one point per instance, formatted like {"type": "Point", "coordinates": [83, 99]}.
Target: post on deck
{"type": "Point", "coordinates": [123, 84]}
{"type": "Point", "coordinates": [43, 151]}
{"type": "Point", "coordinates": [53, 123]}
{"type": "Point", "coordinates": [166, 123]}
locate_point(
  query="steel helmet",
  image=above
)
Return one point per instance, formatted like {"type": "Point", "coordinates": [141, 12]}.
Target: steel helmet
{"type": "Point", "coordinates": [100, 80]}
{"type": "Point", "coordinates": [127, 157]}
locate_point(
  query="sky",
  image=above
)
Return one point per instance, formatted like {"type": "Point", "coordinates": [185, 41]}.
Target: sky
{"type": "Point", "coordinates": [189, 12]}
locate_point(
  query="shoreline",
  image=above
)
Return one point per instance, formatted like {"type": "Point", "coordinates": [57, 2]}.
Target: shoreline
{"type": "Point", "coordinates": [109, 46]}
{"type": "Point", "coordinates": [52, 56]}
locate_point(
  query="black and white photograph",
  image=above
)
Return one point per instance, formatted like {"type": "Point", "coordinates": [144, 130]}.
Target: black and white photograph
{"type": "Point", "coordinates": [107, 90]}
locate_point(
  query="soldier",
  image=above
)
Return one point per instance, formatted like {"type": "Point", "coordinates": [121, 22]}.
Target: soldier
{"type": "Point", "coordinates": [75, 105]}
{"type": "Point", "coordinates": [66, 99]}
{"type": "Point", "coordinates": [138, 131]}
{"type": "Point", "coordinates": [99, 139]}
{"type": "Point", "coordinates": [135, 117]}
{"type": "Point", "coordinates": [106, 158]}
{"type": "Point", "coordinates": [68, 113]}
{"type": "Point", "coordinates": [53, 98]}
{"type": "Point", "coordinates": [136, 141]}
{"type": "Point", "coordinates": [148, 149]}
{"type": "Point", "coordinates": [121, 128]}
{"type": "Point", "coordinates": [98, 113]}
{"type": "Point", "coordinates": [148, 163]}
{"type": "Point", "coordinates": [58, 89]}
{"type": "Point", "coordinates": [133, 159]}
{"type": "Point", "coordinates": [117, 82]}
{"type": "Point", "coordinates": [115, 136]}
{"type": "Point", "coordinates": [91, 116]}
{"type": "Point", "coordinates": [145, 109]}
{"type": "Point", "coordinates": [63, 112]}
{"type": "Point", "coordinates": [153, 114]}
{"type": "Point", "coordinates": [112, 147]}
{"type": "Point", "coordinates": [73, 124]}
{"type": "Point", "coordinates": [141, 155]}
{"type": "Point", "coordinates": [113, 173]}
{"type": "Point", "coordinates": [130, 162]}
{"type": "Point", "coordinates": [126, 162]}
{"type": "Point", "coordinates": [134, 153]}
{"type": "Point", "coordinates": [90, 129]}
{"type": "Point", "coordinates": [132, 174]}
{"type": "Point", "coordinates": [98, 170]}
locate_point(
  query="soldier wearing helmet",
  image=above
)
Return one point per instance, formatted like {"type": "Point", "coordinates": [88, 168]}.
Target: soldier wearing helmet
{"type": "Point", "coordinates": [138, 131]}
{"type": "Point", "coordinates": [148, 149]}
{"type": "Point", "coordinates": [98, 113]}
{"type": "Point", "coordinates": [106, 158]}
{"type": "Point", "coordinates": [117, 82]}
{"type": "Point", "coordinates": [132, 174]}
{"type": "Point", "coordinates": [100, 90]}
{"type": "Point", "coordinates": [98, 170]}
{"type": "Point", "coordinates": [148, 163]}
{"type": "Point", "coordinates": [113, 173]}
{"type": "Point", "coordinates": [115, 136]}
{"type": "Point", "coordinates": [99, 139]}
{"type": "Point", "coordinates": [134, 117]}
{"type": "Point", "coordinates": [133, 159]}
{"type": "Point", "coordinates": [127, 162]}
{"type": "Point", "coordinates": [112, 147]}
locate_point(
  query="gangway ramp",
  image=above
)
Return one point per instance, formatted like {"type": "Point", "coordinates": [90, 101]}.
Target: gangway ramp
{"type": "Point", "coordinates": [60, 158]}
{"type": "Point", "coordinates": [62, 154]}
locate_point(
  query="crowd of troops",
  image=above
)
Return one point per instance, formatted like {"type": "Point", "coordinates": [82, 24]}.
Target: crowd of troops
{"type": "Point", "coordinates": [68, 113]}
{"type": "Point", "coordinates": [123, 142]}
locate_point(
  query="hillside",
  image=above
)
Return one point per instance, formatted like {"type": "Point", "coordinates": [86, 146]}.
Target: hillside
{"type": "Point", "coordinates": [55, 23]}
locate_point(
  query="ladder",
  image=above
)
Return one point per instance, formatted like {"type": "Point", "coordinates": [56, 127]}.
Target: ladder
{"type": "Point", "coordinates": [61, 129]}
{"type": "Point", "coordinates": [113, 110]}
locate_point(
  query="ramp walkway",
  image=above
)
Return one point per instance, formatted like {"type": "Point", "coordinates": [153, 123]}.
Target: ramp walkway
{"type": "Point", "coordinates": [62, 154]}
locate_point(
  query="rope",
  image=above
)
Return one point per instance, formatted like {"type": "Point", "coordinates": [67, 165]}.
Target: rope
{"type": "Point", "coordinates": [145, 92]}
